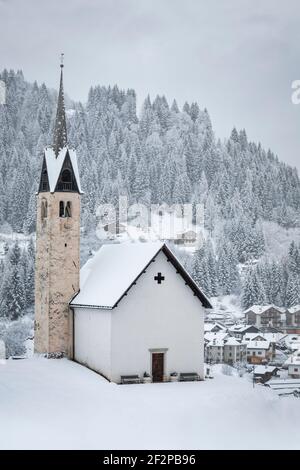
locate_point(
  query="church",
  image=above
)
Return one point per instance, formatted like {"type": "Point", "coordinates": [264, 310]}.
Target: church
{"type": "Point", "coordinates": [132, 310]}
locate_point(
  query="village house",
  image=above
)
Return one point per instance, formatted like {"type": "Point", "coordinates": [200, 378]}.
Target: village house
{"type": "Point", "coordinates": [239, 331]}
{"type": "Point", "coordinates": [259, 352]}
{"type": "Point", "coordinates": [263, 373]}
{"type": "Point", "coordinates": [272, 338]}
{"type": "Point", "coordinates": [235, 351]}
{"type": "Point", "coordinates": [213, 327]}
{"type": "Point", "coordinates": [225, 349]}
{"type": "Point", "coordinates": [291, 342]}
{"type": "Point", "coordinates": [132, 312]}
{"type": "Point", "coordinates": [293, 319]}
{"type": "Point", "coordinates": [216, 317]}
{"type": "Point", "coordinates": [214, 351]}
{"type": "Point", "coordinates": [264, 316]}
{"type": "Point", "coordinates": [293, 365]}
{"type": "Point", "coordinates": [188, 237]}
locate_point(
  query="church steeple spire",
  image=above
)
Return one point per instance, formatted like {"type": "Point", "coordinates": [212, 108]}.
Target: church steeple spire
{"type": "Point", "coordinates": [60, 129]}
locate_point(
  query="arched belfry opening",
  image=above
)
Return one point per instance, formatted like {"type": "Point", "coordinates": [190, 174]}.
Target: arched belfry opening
{"type": "Point", "coordinates": [67, 181]}
{"type": "Point", "coordinates": [65, 209]}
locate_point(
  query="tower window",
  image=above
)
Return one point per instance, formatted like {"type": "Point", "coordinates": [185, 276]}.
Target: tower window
{"type": "Point", "coordinates": [68, 209]}
{"type": "Point", "coordinates": [65, 210]}
{"type": "Point", "coordinates": [61, 209]}
{"type": "Point", "coordinates": [44, 209]}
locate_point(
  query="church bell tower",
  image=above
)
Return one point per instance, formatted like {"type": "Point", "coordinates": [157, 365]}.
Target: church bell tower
{"type": "Point", "coordinates": [57, 242]}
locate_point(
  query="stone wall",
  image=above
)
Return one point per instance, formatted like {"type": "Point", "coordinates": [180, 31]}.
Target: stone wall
{"type": "Point", "coordinates": [57, 273]}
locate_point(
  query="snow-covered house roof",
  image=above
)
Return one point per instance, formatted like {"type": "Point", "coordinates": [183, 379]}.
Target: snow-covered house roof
{"type": "Point", "coordinates": [243, 328]}
{"type": "Point", "coordinates": [259, 309]}
{"type": "Point", "coordinates": [260, 369]}
{"type": "Point", "coordinates": [210, 336]}
{"type": "Point", "coordinates": [216, 342]}
{"type": "Point", "coordinates": [294, 309]}
{"type": "Point", "coordinates": [114, 269]}
{"type": "Point", "coordinates": [238, 327]}
{"type": "Point", "coordinates": [54, 165]}
{"type": "Point", "coordinates": [233, 342]}
{"type": "Point", "coordinates": [216, 316]}
{"type": "Point", "coordinates": [258, 345]}
{"type": "Point", "coordinates": [292, 341]}
{"type": "Point", "coordinates": [254, 336]}
{"type": "Point", "coordinates": [294, 359]}
{"type": "Point", "coordinates": [271, 337]}
{"type": "Point", "coordinates": [208, 326]}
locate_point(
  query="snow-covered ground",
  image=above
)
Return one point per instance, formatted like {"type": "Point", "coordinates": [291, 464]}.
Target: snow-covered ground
{"type": "Point", "coordinates": [59, 404]}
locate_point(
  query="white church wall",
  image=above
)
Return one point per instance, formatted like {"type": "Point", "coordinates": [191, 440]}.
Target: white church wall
{"type": "Point", "coordinates": [158, 316]}
{"type": "Point", "coordinates": [92, 334]}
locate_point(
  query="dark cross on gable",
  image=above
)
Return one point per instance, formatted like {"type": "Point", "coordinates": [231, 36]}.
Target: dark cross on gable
{"type": "Point", "coordinates": [159, 278]}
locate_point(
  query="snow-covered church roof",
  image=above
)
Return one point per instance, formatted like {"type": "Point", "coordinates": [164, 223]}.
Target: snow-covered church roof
{"type": "Point", "coordinates": [106, 277]}
{"type": "Point", "coordinates": [54, 165]}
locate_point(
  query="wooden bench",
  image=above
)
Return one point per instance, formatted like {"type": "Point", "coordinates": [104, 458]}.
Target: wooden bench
{"type": "Point", "coordinates": [130, 379]}
{"type": "Point", "coordinates": [188, 377]}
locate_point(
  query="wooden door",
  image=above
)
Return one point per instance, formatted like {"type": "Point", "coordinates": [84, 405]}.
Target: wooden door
{"type": "Point", "coordinates": [157, 367]}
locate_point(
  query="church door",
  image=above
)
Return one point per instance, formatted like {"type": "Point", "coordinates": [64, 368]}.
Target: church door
{"type": "Point", "coordinates": [157, 367]}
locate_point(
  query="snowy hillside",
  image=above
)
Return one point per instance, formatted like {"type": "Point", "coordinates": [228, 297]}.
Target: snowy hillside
{"type": "Point", "coordinates": [63, 405]}
{"type": "Point", "coordinates": [159, 155]}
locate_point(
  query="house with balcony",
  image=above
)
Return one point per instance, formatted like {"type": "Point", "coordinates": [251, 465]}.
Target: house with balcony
{"type": "Point", "coordinates": [293, 319]}
{"type": "Point", "coordinates": [265, 316]}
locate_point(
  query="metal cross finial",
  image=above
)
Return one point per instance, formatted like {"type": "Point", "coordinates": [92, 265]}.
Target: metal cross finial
{"type": "Point", "coordinates": [62, 59]}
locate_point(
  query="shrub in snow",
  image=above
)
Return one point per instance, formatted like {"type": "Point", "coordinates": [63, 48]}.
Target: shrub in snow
{"type": "Point", "coordinates": [14, 334]}
{"type": "Point", "coordinates": [226, 369]}
{"type": "Point", "coordinates": [55, 355]}
{"type": "Point", "coordinates": [146, 374]}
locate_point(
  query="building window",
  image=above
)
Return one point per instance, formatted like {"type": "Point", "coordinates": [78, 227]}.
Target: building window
{"type": "Point", "coordinates": [44, 209]}
{"type": "Point", "coordinates": [259, 352]}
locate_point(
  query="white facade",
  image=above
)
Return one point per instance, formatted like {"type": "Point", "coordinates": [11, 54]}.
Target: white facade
{"type": "Point", "coordinates": [165, 318]}
{"type": "Point", "coordinates": [293, 364]}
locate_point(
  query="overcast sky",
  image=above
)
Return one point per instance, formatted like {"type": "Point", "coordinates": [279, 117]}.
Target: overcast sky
{"type": "Point", "coordinates": [237, 58]}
